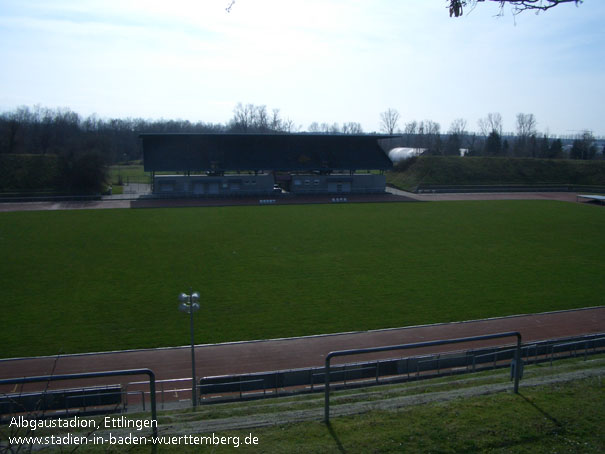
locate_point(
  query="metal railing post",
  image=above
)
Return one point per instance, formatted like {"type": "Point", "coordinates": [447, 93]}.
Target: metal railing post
{"type": "Point", "coordinates": [517, 364]}
{"type": "Point", "coordinates": [327, 390]}
{"type": "Point", "coordinates": [154, 413]}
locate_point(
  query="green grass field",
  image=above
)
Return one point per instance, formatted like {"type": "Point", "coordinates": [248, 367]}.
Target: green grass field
{"type": "Point", "coordinates": [73, 281]}
{"type": "Point", "coordinates": [119, 174]}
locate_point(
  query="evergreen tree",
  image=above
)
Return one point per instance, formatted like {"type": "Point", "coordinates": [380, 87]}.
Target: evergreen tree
{"type": "Point", "coordinates": [453, 145]}
{"type": "Point", "coordinates": [556, 149]}
{"type": "Point", "coordinates": [493, 144]}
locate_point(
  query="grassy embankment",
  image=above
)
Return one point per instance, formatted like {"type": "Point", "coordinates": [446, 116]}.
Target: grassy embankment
{"type": "Point", "coordinates": [451, 170]}
{"type": "Point", "coordinates": [75, 281]}
{"type": "Point", "coordinates": [561, 417]}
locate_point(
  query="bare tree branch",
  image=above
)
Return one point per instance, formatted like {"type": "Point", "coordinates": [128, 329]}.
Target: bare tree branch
{"type": "Point", "coordinates": [518, 6]}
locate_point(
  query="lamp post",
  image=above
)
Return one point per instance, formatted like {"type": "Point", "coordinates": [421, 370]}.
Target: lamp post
{"type": "Point", "coordinates": [189, 304]}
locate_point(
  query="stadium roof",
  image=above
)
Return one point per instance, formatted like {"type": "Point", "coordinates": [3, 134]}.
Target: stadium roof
{"type": "Point", "coordinates": [256, 152]}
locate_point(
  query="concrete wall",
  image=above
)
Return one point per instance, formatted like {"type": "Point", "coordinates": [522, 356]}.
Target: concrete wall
{"type": "Point", "coordinates": [338, 184]}
{"type": "Point", "coordinates": [202, 185]}
{"type": "Point", "coordinates": [262, 184]}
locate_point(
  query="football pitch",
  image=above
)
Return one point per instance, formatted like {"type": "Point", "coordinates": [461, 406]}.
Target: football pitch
{"type": "Point", "coordinates": [97, 280]}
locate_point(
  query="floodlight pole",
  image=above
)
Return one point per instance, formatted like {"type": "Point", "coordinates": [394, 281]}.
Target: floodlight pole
{"type": "Point", "coordinates": [189, 304]}
{"type": "Point", "coordinates": [193, 384]}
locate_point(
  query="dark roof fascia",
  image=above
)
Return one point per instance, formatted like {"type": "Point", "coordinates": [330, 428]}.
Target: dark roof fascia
{"type": "Point", "coordinates": [262, 134]}
{"type": "Point", "coordinates": [283, 152]}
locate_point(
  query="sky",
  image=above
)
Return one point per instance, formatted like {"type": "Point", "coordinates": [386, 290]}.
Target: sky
{"type": "Point", "coordinates": [322, 61]}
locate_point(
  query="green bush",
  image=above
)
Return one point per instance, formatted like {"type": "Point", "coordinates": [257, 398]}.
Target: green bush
{"type": "Point", "coordinates": [82, 173]}
{"type": "Point", "coordinates": [26, 172]}
{"type": "Point", "coordinates": [74, 173]}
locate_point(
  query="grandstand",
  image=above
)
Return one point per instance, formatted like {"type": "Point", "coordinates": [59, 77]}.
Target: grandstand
{"type": "Point", "coordinates": [260, 164]}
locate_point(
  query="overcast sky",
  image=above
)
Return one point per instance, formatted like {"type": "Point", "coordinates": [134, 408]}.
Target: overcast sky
{"type": "Point", "coordinates": [316, 60]}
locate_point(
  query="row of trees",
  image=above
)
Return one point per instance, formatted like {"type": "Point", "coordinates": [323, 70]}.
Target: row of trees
{"type": "Point", "coordinates": [82, 148]}
{"type": "Point", "coordinates": [63, 132]}
{"type": "Point", "coordinates": [250, 118]}
{"type": "Point", "coordinates": [490, 140]}
{"type": "Point", "coordinates": [41, 130]}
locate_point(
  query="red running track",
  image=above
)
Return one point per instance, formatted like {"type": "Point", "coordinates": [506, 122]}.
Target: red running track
{"type": "Point", "coordinates": [301, 352]}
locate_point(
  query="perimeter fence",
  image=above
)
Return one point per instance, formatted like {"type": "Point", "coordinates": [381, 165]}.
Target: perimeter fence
{"type": "Point", "coordinates": [393, 370]}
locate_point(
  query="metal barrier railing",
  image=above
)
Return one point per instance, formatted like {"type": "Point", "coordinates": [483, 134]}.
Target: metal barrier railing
{"type": "Point", "coordinates": [69, 400]}
{"type": "Point", "coordinates": [239, 384]}
{"type": "Point", "coordinates": [395, 369]}
{"type": "Point", "coordinates": [574, 344]}
{"type": "Point", "coordinates": [86, 375]}
{"type": "Point", "coordinates": [517, 366]}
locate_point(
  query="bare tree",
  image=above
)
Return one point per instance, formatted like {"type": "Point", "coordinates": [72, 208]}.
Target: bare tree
{"type": "Point", "coordinates": [526, 125]}
{"type": "Point", "coordinates": [388, 120]}
{"type": "Point", "coordinates": [525, 143]}
{"type": "Point", "coordinates": [458, 127]}
{"type": "Point", "coordinates": [251, 118]}
{"type": "Point", "coordinates": [276, 123]}
{"type": "Point", "coordinates": [583, 146]}
{"type": "Point", "coordinates": [314, 127]}
{"type": "Point", "coordinates": [457, 136]}
{"type": "Point", "coordinates": [352, 128]}
{"type": "Point", "coordinates": [432, 136]}
{"type": "Point", "coordinates": [491, 123]}
{"type": "Point", "coordinates": [334, 128]}
{"type": "Point", "coordinates": [324, 127]}
{"type": "Point", "coordinates": [431, 127]}
{"type": "Point", "coordinates": [261, 118]}
{"type": "Point", "coordinates": [456, 7]}
{"type": "Point", "coordinates": [289, 126]}
{"type": "Point", "coordinates": [243, 117]}
{"type": "Point", "coordinates": [411, 127]}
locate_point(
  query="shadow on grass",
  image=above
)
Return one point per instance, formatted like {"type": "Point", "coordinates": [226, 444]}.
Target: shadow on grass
{"type": "Point", "coordinates": [532, 439]}
{"type": "Point", "coordinates": [336, 439]}
{"type": "Point", "coordinates": [554, 420]}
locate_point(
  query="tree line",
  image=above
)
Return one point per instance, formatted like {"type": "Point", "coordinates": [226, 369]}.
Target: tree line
{"type": "Point", "coordinates": [63, 132]}
{"type": "Point", "coordinates": [59, 150]}
{"type": "Point", "coordinates": [490, 140]}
